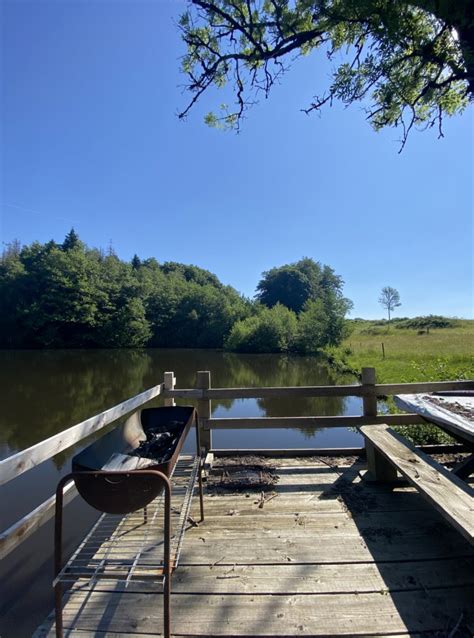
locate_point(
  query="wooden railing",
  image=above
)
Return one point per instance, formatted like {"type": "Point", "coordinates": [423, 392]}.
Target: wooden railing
{"type": "Point", "coordinates": [368, 390]}
{"type": "Point", "coordinates": [203, 393]}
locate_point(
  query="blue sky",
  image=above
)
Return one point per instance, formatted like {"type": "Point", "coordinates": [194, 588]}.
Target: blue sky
{"type": "Point", "coordinates": [90, 139]}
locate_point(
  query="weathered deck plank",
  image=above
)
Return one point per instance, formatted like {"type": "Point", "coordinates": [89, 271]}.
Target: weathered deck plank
{"type": "Point", "coordinates": [78, 633]}
{"type": "Point", "coordinates": [380, 501]}
{"type": "Point", "coordinates": [263, 615]}
{"type": "Point", "coordinates": [309, 578]}
{"type": "Point", "coordinates": [329, 556]}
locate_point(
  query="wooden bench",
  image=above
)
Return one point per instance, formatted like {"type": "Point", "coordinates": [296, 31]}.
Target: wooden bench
{"type": "Point", "coordinates": [388, 452]}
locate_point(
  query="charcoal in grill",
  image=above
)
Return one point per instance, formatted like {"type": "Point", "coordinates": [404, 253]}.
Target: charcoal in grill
{"type": "Point", "coordinates": [158, 446]}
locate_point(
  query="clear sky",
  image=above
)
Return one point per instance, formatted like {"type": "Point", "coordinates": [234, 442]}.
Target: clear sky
{"type": "Point", "coordinates": [90, 139]}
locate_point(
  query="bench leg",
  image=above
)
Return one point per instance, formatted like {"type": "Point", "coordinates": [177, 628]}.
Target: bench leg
{"type": "Point", "coordinates": [465, 468]}
{"type": "Point", "coordinates": [379, 468]}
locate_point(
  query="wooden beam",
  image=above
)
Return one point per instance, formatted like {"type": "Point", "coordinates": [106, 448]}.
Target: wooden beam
{"type": "Point", "coordinates": [266, 392]}
{"type": "Point", "coordinates": [465, 468]}
{"type": "Point", "coordinates": [169, 381]}
{"type": "Point", "coordinates": [370, 398]}
{"type": "Point", "coordinates": [287, 392]}
{"type": "Point", "coordinates": [378, 467]}
{"type": "Point", "coordinates": [290, 453]}
{"type": "Point", "coordinates": [183, 393]}
{"type": "Point", "coordinates": [204, 409]}
{"type": "Point", "coordinates": [310, 421]}
{"type": "Point", "coordinates": [414, 388]}
{"type": "Point", "coordinates": [15, 465]}
{"type": "Point", "coordinates": [22, 529]}
{"type": "Point", "coordinates": [318, 391]}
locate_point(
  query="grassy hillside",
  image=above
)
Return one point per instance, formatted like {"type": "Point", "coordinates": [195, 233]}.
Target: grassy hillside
{"type": "Point", "coordinates": [411, 354]}
{"type": "Point", "coordinates": [440, 354]}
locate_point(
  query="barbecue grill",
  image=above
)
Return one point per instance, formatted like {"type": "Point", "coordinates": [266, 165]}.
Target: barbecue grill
{"type": "Point", "coordinates": [150, 440]}
{"type": "Point", "coordinates": [128, 469]}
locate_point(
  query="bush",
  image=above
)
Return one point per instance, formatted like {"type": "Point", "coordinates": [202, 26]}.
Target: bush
{"type": "Point", "coordinates": [425, 323]}
{"type": "Point", "coordinates": [271, 330]}
{"type": "Point", "coordinates": [321, 324]}
{"type": "Point", "coordinates": [424, 434]}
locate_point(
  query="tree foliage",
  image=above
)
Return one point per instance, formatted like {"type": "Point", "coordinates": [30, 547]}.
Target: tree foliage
{"type": "Point", "coordinates": [410, 62]}
{"type": "Point", "coordinates": [322, 323]}
{"type": "Point", "coordinates": [68, 295]}
{"type": "Point", "coordinates": [284, 285]}
{"type": "Point", "coordinates": [302, 310]}
{"type": "Point", "coordinates": [270, 330]}
{"type": "Point", "coordinates": [293, 285]}
{"type": "Point", "coordinates": [71, 240]}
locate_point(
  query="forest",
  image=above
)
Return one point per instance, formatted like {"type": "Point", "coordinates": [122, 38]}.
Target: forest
{"type": "Point", "coordinates": [68, 295]}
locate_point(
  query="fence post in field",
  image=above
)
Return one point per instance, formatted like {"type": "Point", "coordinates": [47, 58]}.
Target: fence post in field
{"type": "Point", "coordinates": [169, 383]}
{"type": "Point", "coordinates": [204, 409]}
{"type": "Point", "coordinates": [379, 468]}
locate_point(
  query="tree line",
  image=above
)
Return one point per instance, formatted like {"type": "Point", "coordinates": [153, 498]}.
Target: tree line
{"type": "Point", "coordinates": [67, 295]}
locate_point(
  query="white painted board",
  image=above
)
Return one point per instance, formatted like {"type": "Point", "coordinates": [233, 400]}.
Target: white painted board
{"type": "Point", "coordinates": [455, 413]}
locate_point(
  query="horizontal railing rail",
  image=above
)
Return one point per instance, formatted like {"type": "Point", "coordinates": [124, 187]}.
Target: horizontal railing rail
{"type": "Point", "coordinates": [22, 529]}
{"type": "Point", "coordinates": [355, 390]}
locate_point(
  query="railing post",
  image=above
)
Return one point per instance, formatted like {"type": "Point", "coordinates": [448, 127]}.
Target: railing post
{"type": "Point", "coordinates": [169, 383]}
{"type": "Point", "coordinates": [204, 410]}
{"type": "Point", "coordinates": [369, 400]}
{"type": "Point", "coordinates": [379, 468]}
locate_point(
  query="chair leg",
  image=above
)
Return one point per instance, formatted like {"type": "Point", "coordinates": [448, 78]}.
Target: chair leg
{"type": "Point", "coordinates": [201, 495]}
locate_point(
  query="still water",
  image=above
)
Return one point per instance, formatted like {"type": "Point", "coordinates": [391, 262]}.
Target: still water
{"type": "Point", "coordinates": [44, 392]}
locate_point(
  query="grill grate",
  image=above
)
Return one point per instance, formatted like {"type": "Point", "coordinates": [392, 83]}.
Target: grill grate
{"type": "Point", "coordinates": [129, 547]}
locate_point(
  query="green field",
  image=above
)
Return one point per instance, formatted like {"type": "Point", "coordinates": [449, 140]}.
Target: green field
{"type": "Point", "coordinates": [441, 354]}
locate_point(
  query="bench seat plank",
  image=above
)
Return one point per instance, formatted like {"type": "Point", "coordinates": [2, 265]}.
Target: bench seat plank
{"type": "Point", "coordinates": [453, 498]}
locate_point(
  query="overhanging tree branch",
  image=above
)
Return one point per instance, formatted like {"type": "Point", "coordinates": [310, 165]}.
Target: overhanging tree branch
{"type": "Point", "coordinates": [406, 62]}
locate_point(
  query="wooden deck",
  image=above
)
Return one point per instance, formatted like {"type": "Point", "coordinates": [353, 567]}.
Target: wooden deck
{"type": "Point", "coordinates": [330, 555]}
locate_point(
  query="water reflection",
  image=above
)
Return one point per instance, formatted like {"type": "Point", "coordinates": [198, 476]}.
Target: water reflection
{"type": "Point", "coordinates": [46, 392]}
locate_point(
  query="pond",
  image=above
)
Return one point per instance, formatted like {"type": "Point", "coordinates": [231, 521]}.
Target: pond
{"type": "Point", "coordinates": [45, 392]}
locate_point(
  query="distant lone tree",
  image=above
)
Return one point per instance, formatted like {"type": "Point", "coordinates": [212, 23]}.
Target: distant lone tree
{"type": "Point", "coordinates": [410, 62]}
{"type": "Point", "coordinates": [389, 299]}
